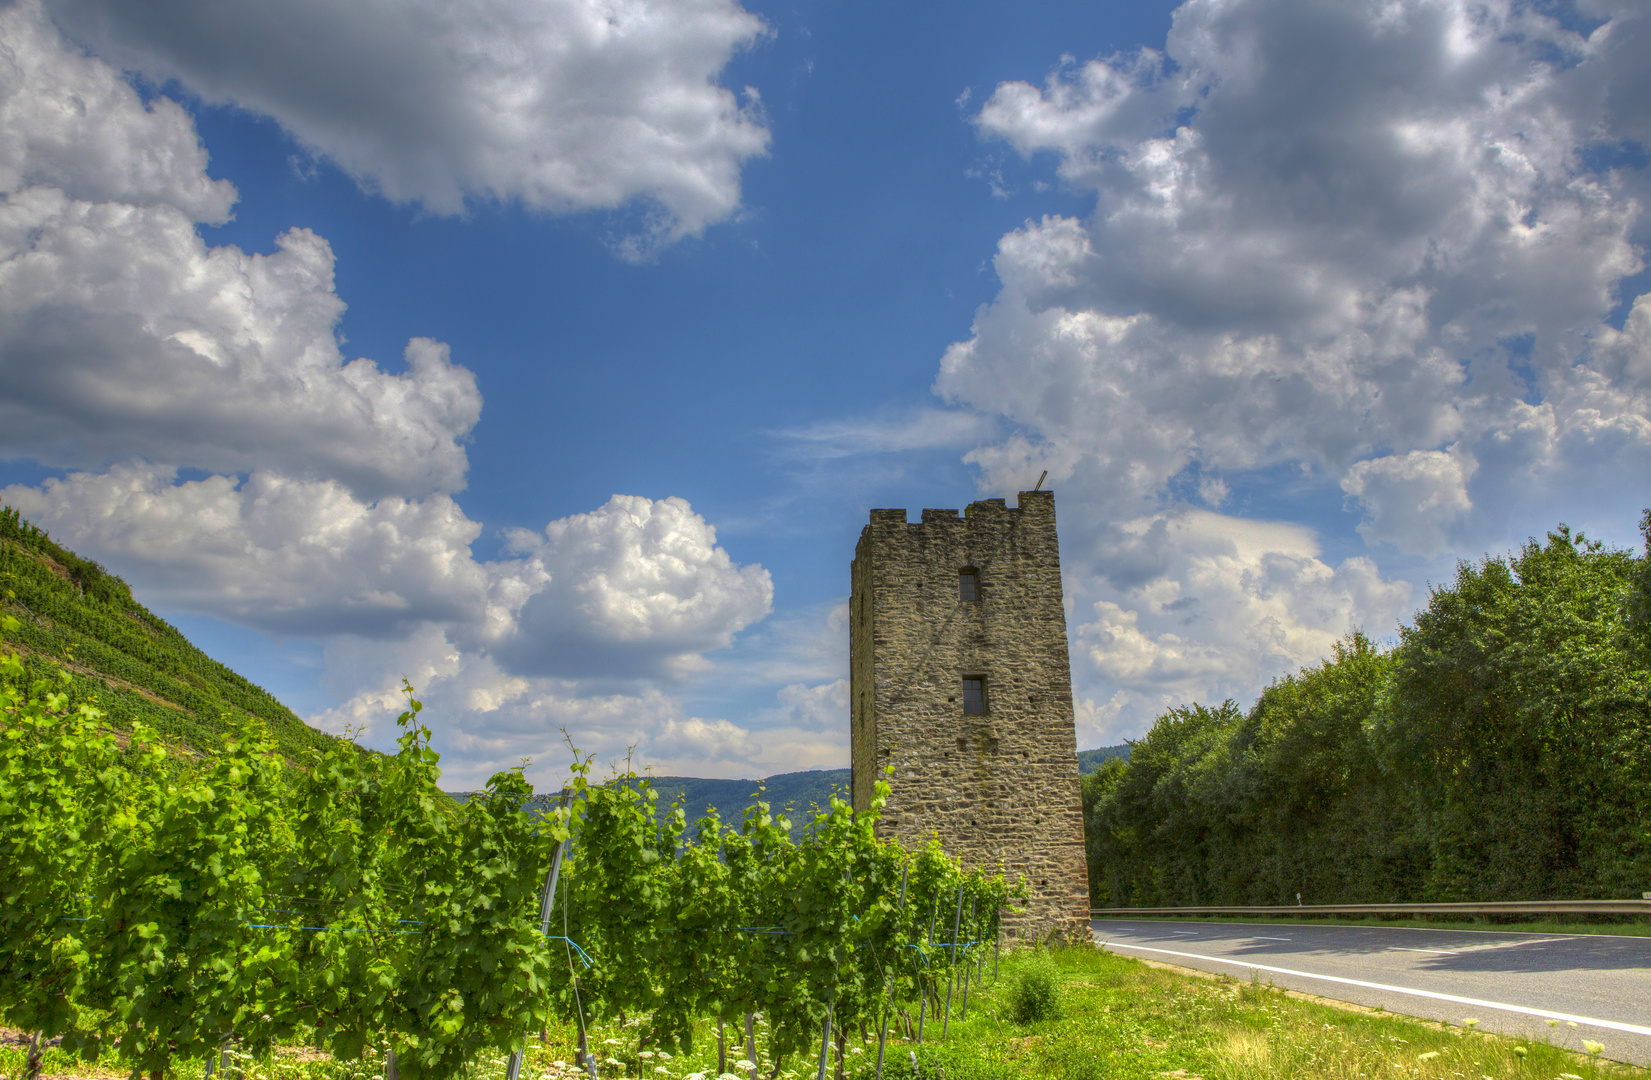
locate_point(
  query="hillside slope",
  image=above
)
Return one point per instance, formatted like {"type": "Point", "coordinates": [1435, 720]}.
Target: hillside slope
{"type": "Point", "coordinates": [129, 662]}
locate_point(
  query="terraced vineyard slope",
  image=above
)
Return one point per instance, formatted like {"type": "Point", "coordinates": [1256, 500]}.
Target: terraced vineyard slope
{"type": "Point", "coordinates": [122, 657]}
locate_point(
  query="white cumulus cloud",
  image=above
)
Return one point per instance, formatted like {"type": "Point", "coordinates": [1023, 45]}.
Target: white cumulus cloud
{"type": "Point", "coordinates": [140, 358]}
{"type": "Point", "coordinates": [560, 104]}
{"type": "Point", "coordinates": [637, 587]}
{"type": "Point", "coordinates": [1324, 235]}
{"type": "Point", "coordinates": [1368, 250]}
{"type": "Point", "coordinates": [1414, 498]}
{"type": "Point", "coordinates": [288, 556]}
{"type": "Point", "coordinates": [1234, 603]}
{"type": "Point", "coordinates": [123, 335]}
{"type": "Point", "coordinates": [486, 718]}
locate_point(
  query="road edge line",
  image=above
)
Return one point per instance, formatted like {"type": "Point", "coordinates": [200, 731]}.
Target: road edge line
{"type": "Point", "coordinates": [1613, 1025]}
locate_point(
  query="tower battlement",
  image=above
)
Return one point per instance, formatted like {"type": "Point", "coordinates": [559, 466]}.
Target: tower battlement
{"type": "Point", "coordinates": [960, 680]}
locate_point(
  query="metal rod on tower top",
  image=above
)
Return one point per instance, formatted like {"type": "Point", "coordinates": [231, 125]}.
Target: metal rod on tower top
{"type": "Point", "coordinates": [1039, 485]}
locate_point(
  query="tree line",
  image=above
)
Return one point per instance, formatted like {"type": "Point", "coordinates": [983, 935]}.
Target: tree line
{"type": "Point", "coordinates": [1500, 750]}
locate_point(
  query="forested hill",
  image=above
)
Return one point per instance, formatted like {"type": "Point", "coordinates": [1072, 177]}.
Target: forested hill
{"type": "Point", "coordinates": [1501, 750]}
{"type": "Point", "coordinates": [795, 795]}
{"type": "Point", "coordinates": [1090, 760]}
{"type": "Point", "coordinates": [129, 662]}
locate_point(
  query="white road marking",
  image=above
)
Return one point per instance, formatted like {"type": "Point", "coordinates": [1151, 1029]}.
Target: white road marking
{"type": "Point", "coordinates": [1403, 948]}
{"type": "Point", "coordinates": [1193, 933]}
{"type": "Point", "coordinates": [1264, 937]}
{"type": "Point", "coordinates": [1632, 1029]}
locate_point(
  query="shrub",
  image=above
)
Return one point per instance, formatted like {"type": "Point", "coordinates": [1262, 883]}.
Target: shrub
{"type": "Point", "coordinates": [1035, 993]}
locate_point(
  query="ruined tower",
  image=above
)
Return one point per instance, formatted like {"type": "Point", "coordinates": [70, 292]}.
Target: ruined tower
{"type": "Point", "coordinates": [959, 680]}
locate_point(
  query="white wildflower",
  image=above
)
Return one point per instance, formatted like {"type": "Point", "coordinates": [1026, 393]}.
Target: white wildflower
{"type": "Point", "coordinates": [1592, 1047]}
{"type": "Point", "coordinates": [662, 1069]}
{"type": "Point", "coordinates": [744, 1063]}
{"type": "Point", "coordinates": [645, 1054]}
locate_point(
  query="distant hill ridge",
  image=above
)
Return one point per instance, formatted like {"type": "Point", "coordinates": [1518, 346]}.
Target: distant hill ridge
{"type": "Point", "coordinates": [123, 658]}
{"type": "Point", "coordinates": [1090, 760]}
{"type": "Point", "coordinates": [796, 795]}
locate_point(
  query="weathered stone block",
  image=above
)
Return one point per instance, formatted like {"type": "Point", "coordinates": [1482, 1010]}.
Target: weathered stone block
{"type": "Point", "coordinates": [999, 785]}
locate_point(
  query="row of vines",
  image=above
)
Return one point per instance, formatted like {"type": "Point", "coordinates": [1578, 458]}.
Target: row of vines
{"type": "Point", "coordinates": [164, 914]}
{"type": "Point", "coordinates": [71, 610]}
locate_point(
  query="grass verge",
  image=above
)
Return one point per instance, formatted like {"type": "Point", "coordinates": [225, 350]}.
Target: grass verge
{"type": "Point", "coordinates": [1118, 1018]}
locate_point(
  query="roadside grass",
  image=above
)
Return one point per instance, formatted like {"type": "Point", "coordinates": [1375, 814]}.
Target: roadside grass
{"type": "Point", "coordinates": [1119, 1018]}
{"type": "Point", "coordinates": [1632, 927]}
{"type": "Point", "coordinates": [1127, 1020]}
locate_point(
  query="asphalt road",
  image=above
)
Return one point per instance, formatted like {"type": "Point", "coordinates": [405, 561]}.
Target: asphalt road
{"type": "Point", "coordinates": [1595, 987]}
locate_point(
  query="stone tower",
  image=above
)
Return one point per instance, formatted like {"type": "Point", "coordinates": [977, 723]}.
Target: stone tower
{"type": "Point", "coordinates": [959, 680]}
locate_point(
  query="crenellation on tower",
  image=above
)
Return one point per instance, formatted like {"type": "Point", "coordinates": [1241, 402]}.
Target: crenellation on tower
{"type": "Point", "coordinates": [961, 682]}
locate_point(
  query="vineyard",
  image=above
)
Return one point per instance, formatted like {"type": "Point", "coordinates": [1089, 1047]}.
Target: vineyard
{"type": "Point", "coordinates": [75, 617]}
{"type": "Point", "coordinates": [168, 911]}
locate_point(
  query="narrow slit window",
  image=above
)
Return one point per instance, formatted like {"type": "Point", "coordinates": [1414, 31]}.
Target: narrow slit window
{"type": "Point", "coordinates": [968, 585]}
{"type": "Point", "coordinates": [974, 695]}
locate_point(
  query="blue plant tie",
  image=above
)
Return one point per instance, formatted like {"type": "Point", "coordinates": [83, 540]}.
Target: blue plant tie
{"type": "Point", "coordinates": [589, 963]}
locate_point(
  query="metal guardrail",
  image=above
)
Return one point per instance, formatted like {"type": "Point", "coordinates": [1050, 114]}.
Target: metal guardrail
{"type": "Point", "coordinates": [1494, 907]}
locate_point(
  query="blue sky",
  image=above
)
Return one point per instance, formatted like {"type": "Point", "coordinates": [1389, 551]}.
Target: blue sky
{"type": "Point", "coordinates": [1298, 303]}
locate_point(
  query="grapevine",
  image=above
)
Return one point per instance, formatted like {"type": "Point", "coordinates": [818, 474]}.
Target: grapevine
{"type": "Point", "coordinates": [175, 908]}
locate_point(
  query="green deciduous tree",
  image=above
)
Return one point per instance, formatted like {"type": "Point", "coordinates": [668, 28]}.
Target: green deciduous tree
{"type": "Point", "coordinates": [1502, 750]}
{"type": "Point", "coordinates": [1518, 721]}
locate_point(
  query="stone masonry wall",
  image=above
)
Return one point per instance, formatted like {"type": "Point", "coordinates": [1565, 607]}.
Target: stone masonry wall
{"type": "Point", "coordinates": [1000, 789]}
